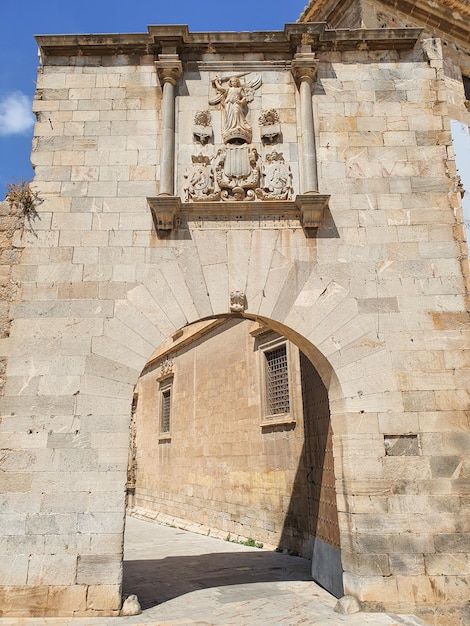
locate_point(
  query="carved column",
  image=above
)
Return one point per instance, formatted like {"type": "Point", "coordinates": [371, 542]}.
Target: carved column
{"type": "Point", "coordinates": [169, 69]}
{"type": "Point", "coordinates": [304, 68]}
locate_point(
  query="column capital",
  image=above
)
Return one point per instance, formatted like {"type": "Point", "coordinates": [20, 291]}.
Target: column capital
{"type": "Point", "coordinates": [304, 67]}
{"type": "Point", "coordinates": [169, 68]}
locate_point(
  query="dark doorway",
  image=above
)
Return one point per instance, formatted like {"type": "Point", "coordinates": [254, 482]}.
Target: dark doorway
{"type": "Point", "coordinates": [313, 501]}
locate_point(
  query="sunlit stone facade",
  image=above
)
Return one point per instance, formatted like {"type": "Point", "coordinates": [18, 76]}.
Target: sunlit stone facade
{"type": "Point", "coordinates": [303, 179]}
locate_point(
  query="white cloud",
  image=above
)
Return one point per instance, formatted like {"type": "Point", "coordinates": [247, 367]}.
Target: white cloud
{"type": "Point", "coordinates": [15, 114]}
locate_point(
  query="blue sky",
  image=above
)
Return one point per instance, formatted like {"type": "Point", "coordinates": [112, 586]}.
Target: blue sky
{"type": "Point", "coordinates": [22, 19]}
{"type": "Point", "coordinates": [461, 141]}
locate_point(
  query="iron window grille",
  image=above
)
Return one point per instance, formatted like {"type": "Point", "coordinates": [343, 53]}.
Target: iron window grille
{"type": "Point", "coordinates": [466, 86]}
{"type": "Point", "coordinates": [277, 381]}
{"type": "Point", "coordinates": [165, 410]}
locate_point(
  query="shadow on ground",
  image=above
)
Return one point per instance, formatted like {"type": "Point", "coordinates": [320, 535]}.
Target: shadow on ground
{"type": "Point", "coordinates": [158, 580]}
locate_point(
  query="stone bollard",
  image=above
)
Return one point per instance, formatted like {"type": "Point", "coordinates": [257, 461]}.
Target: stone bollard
{"type": "Point", "coordinates": [347, 605]}
{"type": "Point", "coordinates": [131, 606]}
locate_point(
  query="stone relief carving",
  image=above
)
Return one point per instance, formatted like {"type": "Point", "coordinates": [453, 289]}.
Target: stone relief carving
{"type": "Point", "coordinates": [166, 368]}
{"type": "Point", "coordinates": [277, 178]}
{"type": "Point", "coordinates": [166, 220]}
{"type": "Point", "coordinates": [200, 185]}
{"type": "Point", "coordinates": [202, 128]}
{"type": "Point", "coordinates": [237, 301]}
{"type": "Point", "coordinates": [238, 173]}
{"type": "Point", "coordinates": [234, 98]}
{"type": "Point", "coordinates": [235, 171]}
{"type": "Point", "coordinates": [270, 128]}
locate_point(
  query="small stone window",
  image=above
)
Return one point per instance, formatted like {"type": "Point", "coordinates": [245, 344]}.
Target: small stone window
{"type": "Point", "coordinates": [165, 393]}
{"type": "Point", "coordinates": [166, 404]}
{"type": "Point", "coordinates": [276, 383]}
{"type": "Point", "coordinates": [466, 86]}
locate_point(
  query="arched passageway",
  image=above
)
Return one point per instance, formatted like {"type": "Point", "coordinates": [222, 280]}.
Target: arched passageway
{"type": "Point", "coordinates": [231, 436]}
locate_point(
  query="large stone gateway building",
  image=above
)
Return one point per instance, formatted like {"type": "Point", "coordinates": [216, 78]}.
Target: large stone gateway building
{"type": "Point", "coordinates": [303, 180]}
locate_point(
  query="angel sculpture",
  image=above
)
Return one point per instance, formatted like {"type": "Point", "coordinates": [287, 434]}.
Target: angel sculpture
{"type": "Point", "coordinates": [234, 98]}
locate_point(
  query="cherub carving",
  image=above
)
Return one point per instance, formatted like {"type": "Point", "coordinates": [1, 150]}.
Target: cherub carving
{"type": "Point", "coordinates": [234, 98]}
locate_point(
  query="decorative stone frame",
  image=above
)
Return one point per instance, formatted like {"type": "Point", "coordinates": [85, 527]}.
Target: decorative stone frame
{"type": "Point", "coordinates": [266, 342]}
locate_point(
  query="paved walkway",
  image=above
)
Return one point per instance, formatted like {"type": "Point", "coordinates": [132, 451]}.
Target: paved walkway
{"type": "Point", "coordinates": [186, 579]}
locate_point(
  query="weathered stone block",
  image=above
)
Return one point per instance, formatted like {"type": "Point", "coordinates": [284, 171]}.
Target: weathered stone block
{"type": "Point", "coordinates": [452, 543]}
{"type": "Point", "coordinates": [445, 466]}
{"type": "Point", "coordinates": [99, 569]}
{"type": "Point", "coordinates": [52, 569]}
{"type": "Point", "coordinates": [407, 564]}
{"type": "Point", "coordinates": [96, 523]}
{"type": "Point", "coordinates": [402, 445]}
{"type": "Point", "coordinates": [106, 544]}
{"type": "Point", "coordinates": [366, 565]}
{"type": "Point", "coordinates": [104, 597]}
{"type": "Point", "coordinates": [15, 481]}
{"type": "Point", "coordinates": [368, 589]}
{"type": "Point", "coordinates": [14, 570]}
{"type": "Point", "coordinates": [23, 600]}
{"type": "Point", "coordinates": [46, 524]}
{"type": "Point", "coordinates": [65, 600]}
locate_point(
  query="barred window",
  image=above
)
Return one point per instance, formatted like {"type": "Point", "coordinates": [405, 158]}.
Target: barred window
{"type": "Point", "coordinates": [165, 409]}
{"type": "Point", "coordinates": [277, 381]}
{"type": "Point", "coordinates": [466, 86]}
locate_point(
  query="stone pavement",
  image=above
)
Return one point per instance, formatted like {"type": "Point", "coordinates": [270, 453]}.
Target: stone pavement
{"type": "Point", "coordinates": [182, 578]}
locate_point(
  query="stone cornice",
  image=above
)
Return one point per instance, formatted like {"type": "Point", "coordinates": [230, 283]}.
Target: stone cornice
{"type": "Point", "coordinates": [309, 209]}
{"type": "Point", "coordinates": [206, 46]}
{"type": "Point", "coordinates": [447, 17]}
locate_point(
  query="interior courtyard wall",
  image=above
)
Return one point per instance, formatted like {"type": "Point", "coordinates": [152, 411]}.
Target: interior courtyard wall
{"type": "Point", "coordinates": [379, 292]}
{"type": "Point", "coordinates": [219, 470]}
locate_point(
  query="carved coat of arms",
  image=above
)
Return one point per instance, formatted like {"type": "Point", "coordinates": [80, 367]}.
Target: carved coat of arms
{"type": "Point", "coordinates": [236, 172]}
{"type": "Point", "coordinates": [199, 183]}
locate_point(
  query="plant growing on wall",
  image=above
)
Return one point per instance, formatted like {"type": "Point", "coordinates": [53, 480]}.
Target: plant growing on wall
{"type": "Point", "coordinates": [22, 197]}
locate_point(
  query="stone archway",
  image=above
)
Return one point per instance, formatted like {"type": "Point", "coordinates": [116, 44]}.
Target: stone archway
{"type": "Point", "coordinates": [231, 437]}
{"type": "Point", "coordinates": [81, 400]}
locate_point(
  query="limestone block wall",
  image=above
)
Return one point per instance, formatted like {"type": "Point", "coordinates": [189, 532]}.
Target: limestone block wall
{"type": "Point", "coordinates": [401, 249]}
{"type": "Point", "coordinates": [377, 300]}
{"type": "Point", "coordinates": [95, 141]}
{"type": "Point", "coordinates": [11, 221]}
{"type": "Point", "coordinates": [455, 53]}
{"type": "Point", "coordinates": [95, 156]}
